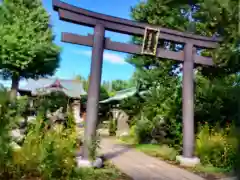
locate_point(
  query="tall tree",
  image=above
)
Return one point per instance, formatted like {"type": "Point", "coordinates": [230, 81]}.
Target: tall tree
{"type": "Point", "coordinates": [84, 81]}
{"type": "Point", "coordinates": [118, 85]}
{"type": "Point", "coordinates": [170, 14]}
{"type": "Point", "coordinates": [205, 17]}
{"type": "Point", "coordinates": [221, 18]}
{"type": "Point", "coordinates": [26, 47]}
{"type": "Point", "coordinates": [79, 78]}
{"type": "Point", "coordinates": [160, 76]}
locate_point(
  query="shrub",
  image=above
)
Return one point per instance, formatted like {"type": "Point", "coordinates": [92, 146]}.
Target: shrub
{"type": "Point", "coordinates": [51, 101]}
{"type": "Point", "coordinates": [143, 130]}
{"type": "Point", "coordinates": [49, 153]}
{"type": "Point", "coordinates": [112, 127]}
{"type": "Point", "coordinates": [10, 113]}
{"type": "Point", "coordinates": [93, 146]}
{"type": "Point", "coordinates": [7, 119]}
{"type": "Point", "coordinates": [70, 122]}
{"type": "Point", "coordinates": [216, 147]}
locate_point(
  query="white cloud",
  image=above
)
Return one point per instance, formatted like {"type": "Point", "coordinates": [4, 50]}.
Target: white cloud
{"type": "Point", "coordinates": [107, 56]}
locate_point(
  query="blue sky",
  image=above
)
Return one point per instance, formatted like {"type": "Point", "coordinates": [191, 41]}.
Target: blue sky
{"type": "Point", "coordinates": [76, 59]}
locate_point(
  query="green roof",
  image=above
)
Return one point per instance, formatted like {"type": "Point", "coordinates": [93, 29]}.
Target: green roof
{"type": "Point", "coordinates": [123, 94]}
{"type": "Point", "coordinates": [71, 88]}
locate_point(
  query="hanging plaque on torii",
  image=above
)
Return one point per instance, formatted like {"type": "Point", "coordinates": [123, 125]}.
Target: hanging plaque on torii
{"type": "Point", "coordinates": [152, 34]}
{"type": "Point", "coordinates": [150, 41]}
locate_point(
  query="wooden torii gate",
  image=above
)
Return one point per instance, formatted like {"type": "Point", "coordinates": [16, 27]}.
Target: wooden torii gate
{"type": "Point", "coordinates": [152, 34]}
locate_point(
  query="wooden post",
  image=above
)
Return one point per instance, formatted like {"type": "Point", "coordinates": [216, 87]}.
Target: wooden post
{"type": "Point", "coordinates": [94, 88]}
{"type": "Point", "coordinates": [188, 101]}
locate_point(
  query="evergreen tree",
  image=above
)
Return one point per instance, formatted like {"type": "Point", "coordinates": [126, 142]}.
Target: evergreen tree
{"type": "Point", "coordinates": [26, 47]}
{"type": "Point", "coordinates": [215, 100]}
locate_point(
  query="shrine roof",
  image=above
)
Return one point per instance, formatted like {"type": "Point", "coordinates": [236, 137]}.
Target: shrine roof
{"type": "Point", "coordinates": [71, 88]}
{"type": "Point", "coordinates": [123, 94]}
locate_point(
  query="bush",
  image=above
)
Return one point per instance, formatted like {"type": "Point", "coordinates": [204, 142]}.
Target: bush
{"type": "Point", "coordinates": [70, 121]}
{"type": "Point", "coordinates": [217, 147]}
{"type": "Point", "coordinates": [7, 119]}
{"type": "Point", "coordinates": [143, 130]}
{"type": "Point", "coordinates": [112, 127]}
{"type": "Point", "coordinates": [51, 102]}
{"type": "Point", "coordinates": [51, 153]}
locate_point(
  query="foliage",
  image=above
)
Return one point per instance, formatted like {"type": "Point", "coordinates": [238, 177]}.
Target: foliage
{"type": "Point", "coordinates": [23, 105]}
{"type": "Point", "coordinates": [131, 106]}
{"type": "Point", "coordinates": [157, 105]}
{"type": "Point", "coordinates": [45, 153]}
{"type": "Point", "coordinates": [6, 118]}
{"type": "Point", "coordinates": [154, 72]}
{"type": "Point", "coordinates": [220, 17]}
{"type": "Point", "coordinates": [71, 124]}
{"type": "Point", "coordinates": [93, 146]}
{"type": "Point", "coordinates": [51, 101]}
{"type": "Point", "coordinates": [216, 99]}
{"type": "Point", "coordinates": [161, 151]}
{"type": "Point", "coordinates": [103, 94]}
{"type": "Point", "coordinates": [84, 81]}
{"type": "Point", "coordinates": [50, 153]}
{"type": "Point", "coordinates": [108, 172]}
{"type": "Point", "coordinates": [143, 130]}
{"type": "Point", "coordinates": [216, 88]}
{"type": "Point", "coordinates": [9, 115]}
{"type": "Point", "coordinates": [112, 127]}
{"type": "Point", "coordinates": [118, 85]}
{"type": "Point", "coordinates": [216, 147]}
{"type": "Point", "coordinates": [26, 47]}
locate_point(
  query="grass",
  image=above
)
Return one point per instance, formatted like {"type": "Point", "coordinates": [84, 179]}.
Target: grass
{"type": "Point", "coordinates": [163, 152]}
{"type": "Point", "coordinates": [109, 172]}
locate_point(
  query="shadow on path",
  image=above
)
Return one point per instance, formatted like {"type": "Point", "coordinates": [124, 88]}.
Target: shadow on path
{"type": "Point", "coordinates": [111, 155]}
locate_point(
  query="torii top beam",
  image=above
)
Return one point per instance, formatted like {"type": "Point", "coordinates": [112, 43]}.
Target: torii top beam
{"type": "Point", "coordinates": [85, 17]}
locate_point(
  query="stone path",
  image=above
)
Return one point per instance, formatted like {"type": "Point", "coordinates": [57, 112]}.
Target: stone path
{"type": "Point", "coordinates": [140, 166]}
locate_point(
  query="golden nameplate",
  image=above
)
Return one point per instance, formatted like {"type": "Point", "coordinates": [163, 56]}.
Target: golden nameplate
{"type": "Point", "coordinates": [150, 41]}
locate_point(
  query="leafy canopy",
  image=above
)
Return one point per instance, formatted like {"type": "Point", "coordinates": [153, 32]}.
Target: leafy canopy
{"type": "Point", "coordinates": [26, 47]}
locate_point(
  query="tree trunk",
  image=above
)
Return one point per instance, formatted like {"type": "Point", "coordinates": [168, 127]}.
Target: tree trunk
{"type": "Point", "coordinates": [14, 88]}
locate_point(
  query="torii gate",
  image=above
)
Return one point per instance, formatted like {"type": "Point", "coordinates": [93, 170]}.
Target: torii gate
{"type": "Point", "coordinates": [152, 34]}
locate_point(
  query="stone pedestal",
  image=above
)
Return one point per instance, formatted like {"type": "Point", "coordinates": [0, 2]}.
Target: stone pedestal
{"type": "Point", "coordinates": [98, 163]}
{"type": "Point", "coordinates": [188, 162]}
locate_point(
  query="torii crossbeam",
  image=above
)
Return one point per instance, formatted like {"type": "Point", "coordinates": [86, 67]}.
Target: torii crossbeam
{"type": "Point", "coordinates": [101, 23]}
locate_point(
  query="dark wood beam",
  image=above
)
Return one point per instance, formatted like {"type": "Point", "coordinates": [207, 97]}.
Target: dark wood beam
{"type": "Point", "coordinates": [132, 48]}
{"type": "Point", "coordinates": [82, 16]}
{"type": "Point", "coordinates": [125, 29]}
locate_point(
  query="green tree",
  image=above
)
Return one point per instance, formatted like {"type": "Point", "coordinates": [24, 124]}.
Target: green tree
{"type": "Point", "coordinates": [84, 81]}
{"type": "Point", "coordinates": [211, 17]}
{"type": "Point", "coordinates": [26, 47]}
{"type": "Point", "coordinates": [79, 78]}
{"type": "Point", "coordinates": [221, 17]}
{"type": "Point", "coordinates": [118, 85]}
{"type": "Point", "coordinates": [214, 87]}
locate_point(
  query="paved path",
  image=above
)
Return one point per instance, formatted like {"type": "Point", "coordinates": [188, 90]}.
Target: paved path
{"type": "Point", "coordinates": [140, 166]}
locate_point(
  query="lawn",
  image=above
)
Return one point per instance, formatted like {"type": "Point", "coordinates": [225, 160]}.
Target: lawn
{"type": "Point", "coordinates": [109, 172]}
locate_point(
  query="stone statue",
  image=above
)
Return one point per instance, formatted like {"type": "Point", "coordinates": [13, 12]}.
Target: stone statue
{"type": "Point", "coordinates": [57, 117]}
